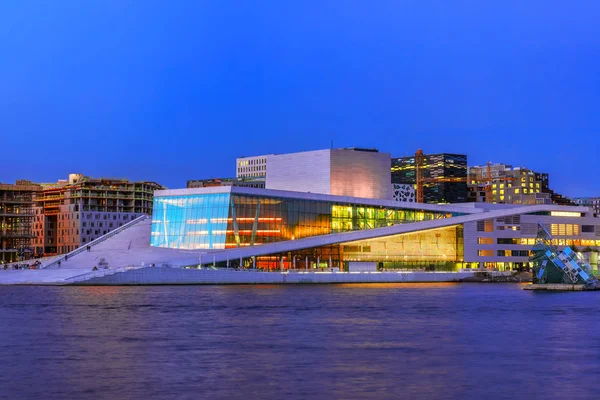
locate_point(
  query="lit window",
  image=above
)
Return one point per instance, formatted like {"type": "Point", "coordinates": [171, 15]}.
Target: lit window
{"type": "Point", "coordinates": [565, 214]}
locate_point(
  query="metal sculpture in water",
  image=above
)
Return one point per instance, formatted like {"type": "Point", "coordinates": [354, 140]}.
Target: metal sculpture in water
{"type": "Point", "coordinates": [551, 265]}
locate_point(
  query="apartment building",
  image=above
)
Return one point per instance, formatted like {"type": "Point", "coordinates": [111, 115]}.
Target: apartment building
{"type": "Point", "coordinates": [73, 212]}
{"type": "Point", "coordinates": [16, 221]}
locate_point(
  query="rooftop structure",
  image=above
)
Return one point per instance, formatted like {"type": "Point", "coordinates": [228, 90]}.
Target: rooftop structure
{"type": "Point", "coordinates": [344, 172]}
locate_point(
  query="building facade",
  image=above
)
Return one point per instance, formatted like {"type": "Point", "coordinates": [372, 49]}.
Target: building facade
{"type": "Point", "coordinates": [445, 176]}
{"type": "Point", "coordinates": [283, 229]}
{"type": "Point", "coordinates": [230, 217]}
{"type": "Point", "coordinates": [69, 214]}
{"type": "Point", "coordinates": [16, 221]}
{"type": "Point", "coordinates": [506, 242]}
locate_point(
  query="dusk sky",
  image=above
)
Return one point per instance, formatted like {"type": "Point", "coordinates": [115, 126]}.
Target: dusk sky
{"type": "Point", "coordinates": [175, 90]}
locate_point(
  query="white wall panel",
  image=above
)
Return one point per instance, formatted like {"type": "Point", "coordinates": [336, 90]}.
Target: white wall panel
{"type": "Point", "coordinates": [361, 174]}
{"type": "Point", "coordinates": [301, 172]}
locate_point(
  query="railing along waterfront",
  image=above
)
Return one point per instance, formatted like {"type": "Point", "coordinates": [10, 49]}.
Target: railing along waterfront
{"type": "Point", "coordinates": [95, 242]}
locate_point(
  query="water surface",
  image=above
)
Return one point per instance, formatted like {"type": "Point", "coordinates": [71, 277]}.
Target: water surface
{"type": "Point", "coordinates": [410, 341]}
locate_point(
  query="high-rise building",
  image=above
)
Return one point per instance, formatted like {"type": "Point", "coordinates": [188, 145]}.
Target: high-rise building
{"type": "Point", "coordinates": [345, 172]}
{"type": "Point", "coordinates": [444, 176]}
{"type": "Point", "coordinates": [72, 213]}
{"type": "Point", "coordinates": [16, 220]}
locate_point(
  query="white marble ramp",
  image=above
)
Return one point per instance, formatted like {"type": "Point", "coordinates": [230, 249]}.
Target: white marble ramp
{"type": "Point", "coordinates": [130, 247]}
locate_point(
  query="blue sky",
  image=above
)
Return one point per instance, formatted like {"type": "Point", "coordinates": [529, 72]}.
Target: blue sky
{"type": "Point", "coordinates": [171, 91]}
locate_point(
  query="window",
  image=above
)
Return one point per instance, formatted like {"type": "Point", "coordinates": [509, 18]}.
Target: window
{"type": "Point", "coordinates": [564, 230]}
{"type": "Point", "coordinates": [485, 226]}
{"type": "Point", "coordinates": [587, 228]}
{"type": "Point", "coordinates": [508, 241]}
{"type": "Point", "coordinates": [565, 214]}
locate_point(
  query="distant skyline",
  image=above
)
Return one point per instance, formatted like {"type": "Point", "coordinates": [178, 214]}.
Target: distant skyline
{"type": "Point", "coordinates": [175, 91]}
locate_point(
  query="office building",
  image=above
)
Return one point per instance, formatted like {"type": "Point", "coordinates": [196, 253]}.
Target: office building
{"type": "Point", "coordinates": [444, 176]}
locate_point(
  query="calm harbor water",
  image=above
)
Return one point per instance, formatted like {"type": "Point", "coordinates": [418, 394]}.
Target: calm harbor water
{"type": "Point", "coordinates": [316, 341]}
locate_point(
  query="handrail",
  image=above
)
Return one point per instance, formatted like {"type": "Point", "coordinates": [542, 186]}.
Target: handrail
{"type": "Point", "coordinates": [99, 240]}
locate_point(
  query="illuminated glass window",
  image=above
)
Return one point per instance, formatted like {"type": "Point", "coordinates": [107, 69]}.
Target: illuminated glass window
{"type": "Point", "coordinates": [565, 214]}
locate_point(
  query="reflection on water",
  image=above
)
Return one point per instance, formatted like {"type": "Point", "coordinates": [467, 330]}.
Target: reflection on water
{"type": "Point", "coordinates": [438, 340]}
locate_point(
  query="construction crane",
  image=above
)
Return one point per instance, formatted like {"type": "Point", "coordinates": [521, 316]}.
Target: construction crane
{"type": "Point", "coordinates": [421, 181]}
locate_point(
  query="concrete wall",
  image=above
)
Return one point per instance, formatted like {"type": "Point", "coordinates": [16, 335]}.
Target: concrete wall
{"type": "Point", "coordinates": [308, 171]}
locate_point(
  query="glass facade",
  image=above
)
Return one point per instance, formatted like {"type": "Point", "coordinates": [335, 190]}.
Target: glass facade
{"type": "Point", "coordinates": [449, 169]}
{"type": "Point", "coordinates": [439, 249]}
{"type": "Point", "coordinates": [224, 220]}
{"type": "Point", "coordinates": [551, 265]}
{"type": "Point", "coordinates": [190, 222]}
